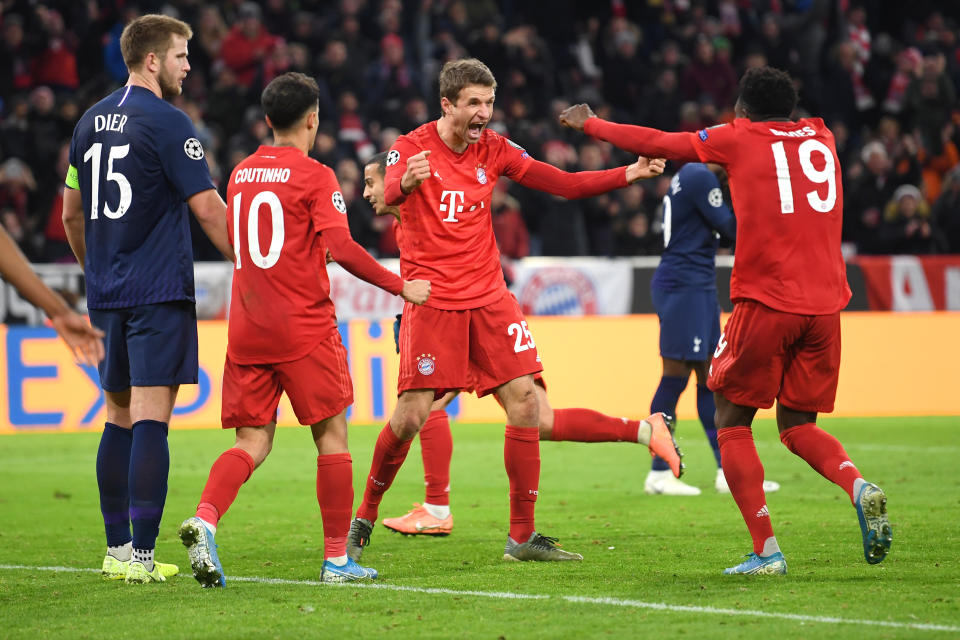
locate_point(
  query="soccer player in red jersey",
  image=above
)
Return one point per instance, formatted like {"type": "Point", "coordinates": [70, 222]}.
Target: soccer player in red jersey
{"type": "Point", "coordinates": [788, 286]}
{"type": "Point", "coordinates": [433, 517]}
{"type": "Point", "coordinates": [286, 210]}
{"type": "Point", "coordinates": [441, 175]}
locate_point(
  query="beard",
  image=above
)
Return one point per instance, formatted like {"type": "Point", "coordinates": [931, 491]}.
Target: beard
{"type": "Point", "coordinates": [169, 87]}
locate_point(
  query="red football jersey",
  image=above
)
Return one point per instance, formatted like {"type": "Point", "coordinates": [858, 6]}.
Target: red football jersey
{"type": "Point", "coordinates": [447, 226]}
{"type": "Point", "coordinates": [278, 203]}
{"type": "Point", "coordinates": [788, 198]}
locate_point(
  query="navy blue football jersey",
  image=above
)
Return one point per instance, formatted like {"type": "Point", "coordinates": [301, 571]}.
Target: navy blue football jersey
{"type": "Point", "coordinates": [136, 159]}
{"type": "Point", "coordinates": [693, 214]}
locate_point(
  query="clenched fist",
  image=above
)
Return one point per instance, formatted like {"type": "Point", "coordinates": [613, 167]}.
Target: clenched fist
{"type": "Point", "coordinates": [418, 170]}
{"type": "Point", "coordinates": [645, 168]}
{"type": "Point", "coordinates": [575, 116]}
{"type": "Point", "coordinates": [415, 291]}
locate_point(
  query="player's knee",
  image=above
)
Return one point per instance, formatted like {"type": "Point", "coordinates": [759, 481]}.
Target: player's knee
{"type": "Point", "coordinates": [524, 410]}
{"type": "Point", "coordinates": [407, 424]}
{"type": "Point", "coordinates": [256, 446]}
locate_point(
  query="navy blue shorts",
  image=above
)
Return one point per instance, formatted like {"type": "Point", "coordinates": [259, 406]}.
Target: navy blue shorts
{"type": "Point", "coordinates": [152, 345]}
{"type": "Point", "coordinates": [689, 323]}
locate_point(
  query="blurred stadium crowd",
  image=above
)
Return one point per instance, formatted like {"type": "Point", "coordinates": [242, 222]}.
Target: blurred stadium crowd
{"type": "Point", "coordinates": [885, 76]}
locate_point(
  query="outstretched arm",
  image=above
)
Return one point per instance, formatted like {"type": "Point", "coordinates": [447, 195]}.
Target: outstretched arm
{"type": "Point", "coordinates": [582, 184]}
{"type": "Point", "coordinates": [586, 184]}
{"type": "Point", "coordinates": [85, 342]}
{"type": "Point", "coordinates": [352, 257]}
{"type": "Point", "coordinates": [644, 140]}
{"type": "Point", "coordinates": [639, 140]}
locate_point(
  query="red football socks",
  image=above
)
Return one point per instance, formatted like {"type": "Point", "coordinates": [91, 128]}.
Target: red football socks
{"type": "Point", "coordinates": [388, 456]}
{"type": "Point", "coordinates": [744, 473]}
{"type": "Point", "coordinates": [436, 445]}
{"type": "Point", "coordinates": [521, 457]}
{"type": "Point", "coordinates": [228, 473]}
{"type": "Point", "coordinates": [824, 453]}
{"type": "Point", "coordinates": [335, 497]}
{"type": "Point", "coordinates": [586, 425]}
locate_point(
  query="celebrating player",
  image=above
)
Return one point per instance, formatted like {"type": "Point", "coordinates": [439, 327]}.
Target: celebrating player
{"type": "Point", "coordinates": [433, 517]}
{"type": "Point", "coordinates": [282, 329]}
{"type": "Point", "coordinates": [134, 160]}
{"type": "Point", "coordinates": [684, 292]}
{"type": "Point", "coordinates": [788, 284]}
{"type": "Point", "coordinates": [472, 330]}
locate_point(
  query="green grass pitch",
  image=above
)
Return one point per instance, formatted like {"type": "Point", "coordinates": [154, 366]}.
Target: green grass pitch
{"type": "Point", "coordinates": [640, 551]}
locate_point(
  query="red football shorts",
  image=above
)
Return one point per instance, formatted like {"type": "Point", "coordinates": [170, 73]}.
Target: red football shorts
{"type": "Point", "coordinates": [537, 380]}
{"type": "Point", "coordinates": [317, 384]}
{"type": "Point", "coordinates": [766, 354]}
{"type": "Point", "coordinates": [480, 348]}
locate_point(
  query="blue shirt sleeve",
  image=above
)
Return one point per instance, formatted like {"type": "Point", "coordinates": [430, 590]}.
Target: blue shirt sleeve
{"type": "Point", "coordinates": [706, 192]}
{"type": "Point", "coordinates": [182, 155]}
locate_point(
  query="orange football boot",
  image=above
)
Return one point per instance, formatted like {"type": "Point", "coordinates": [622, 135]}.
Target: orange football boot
{"type": "Point", "coordinates": [418, 521]}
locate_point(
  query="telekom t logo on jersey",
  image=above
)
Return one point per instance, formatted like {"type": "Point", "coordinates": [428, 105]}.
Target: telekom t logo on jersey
{"type": "Point", "coordinates": [451, 207]}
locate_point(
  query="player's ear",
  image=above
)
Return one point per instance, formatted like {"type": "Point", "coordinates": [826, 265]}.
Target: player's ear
{"type": "Point", "coordinates": [151, 62]}
{"type": "Point", "coordinates": [445, 105]}
{"type": "Point", "coordinates": [267, 118]}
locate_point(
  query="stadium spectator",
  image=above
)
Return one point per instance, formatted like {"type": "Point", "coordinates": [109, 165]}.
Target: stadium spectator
{"type": "Point", "coordinates": [536, 55]}
{"type": "Point", "coordinates": [247, 46]}
{"type": "Point", "coordinates": [709, 76]}
{"type": "Point", "coordinates": [211, 32]}
{"type": "Point", "coordinates": [661, 100]}
{"type": "Point", "coordinates": [868, 195]}
{"type": "Point", "coordinates": [946, 211]}
{"type": "Point", "coordinates": [390, 81]}
{"type": "Point", "coordinates": [906, 227]}
{"type": "Point", "coordinates": [14, 58]}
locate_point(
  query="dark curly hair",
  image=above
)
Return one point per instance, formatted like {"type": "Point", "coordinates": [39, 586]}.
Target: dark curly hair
{"type": "Point", "coordinates": [766, 92]}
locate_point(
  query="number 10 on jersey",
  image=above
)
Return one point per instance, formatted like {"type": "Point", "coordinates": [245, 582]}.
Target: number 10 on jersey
{"type": "Point", "coordinates": [269, 198]}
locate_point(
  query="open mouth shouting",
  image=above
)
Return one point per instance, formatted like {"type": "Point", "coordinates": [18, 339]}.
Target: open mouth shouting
{"type": "Point", "coordinates": [475, 130]}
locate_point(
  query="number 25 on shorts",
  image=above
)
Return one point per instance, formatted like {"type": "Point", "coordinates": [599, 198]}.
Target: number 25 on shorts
{"type": "Point", "coordinates": [524, 337]}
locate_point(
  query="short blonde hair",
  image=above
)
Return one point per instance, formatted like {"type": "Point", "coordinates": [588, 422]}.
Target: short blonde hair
{"type": "Point", "coordinates": [151, 33]}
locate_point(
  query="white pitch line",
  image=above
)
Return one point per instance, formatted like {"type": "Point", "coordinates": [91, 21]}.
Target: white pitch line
{"type": "Point", "coordinates": [507, 595]}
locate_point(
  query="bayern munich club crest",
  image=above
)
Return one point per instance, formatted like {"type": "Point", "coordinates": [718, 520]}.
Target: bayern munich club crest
{"type": "Point", "coordinates": [559, 292]}
{"type": "Point", "coordinates": [481, 175]}
{"type": "Point", "coordinates": [426, 365]}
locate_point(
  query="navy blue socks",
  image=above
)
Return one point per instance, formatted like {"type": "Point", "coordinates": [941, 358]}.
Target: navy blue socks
{"type": "Point", "coordinates": [706, 408]}
{"type": "Point", "coordinates": [149, 467]}
{"type": "Point", "coordinates": [113, 464]}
